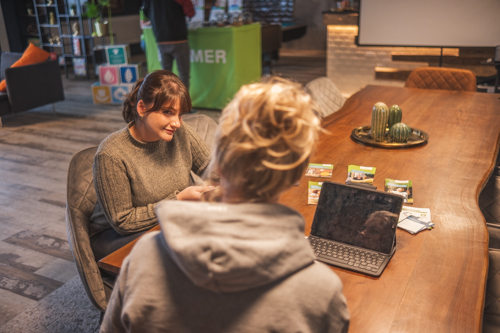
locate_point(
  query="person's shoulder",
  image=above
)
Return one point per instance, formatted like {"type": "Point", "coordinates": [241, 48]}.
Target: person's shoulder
{"type": "Point", "coordinates": [145, 244]}
{"type": "Point", "coordinates": [113, 139]}
{"type": "Point", "coordinates": [111, 143]}
{"type": "Point", "coordinates": [319, 279]}
{"type": "Point", "coordinates": [186, 133]}
{"type": "Point", "coordinates": [186, 128]}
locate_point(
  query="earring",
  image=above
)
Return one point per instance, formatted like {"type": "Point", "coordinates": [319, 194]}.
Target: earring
{"type": "Point", "coordinates": [142, 117]}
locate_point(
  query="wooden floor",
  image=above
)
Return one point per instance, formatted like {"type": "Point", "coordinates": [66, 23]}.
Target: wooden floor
{"type": "Point", "coordinates": [35, 150]}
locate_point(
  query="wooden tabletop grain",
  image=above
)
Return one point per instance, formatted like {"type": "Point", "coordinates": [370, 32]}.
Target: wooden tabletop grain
{"type": "Point", "coordinates": [436, 280]}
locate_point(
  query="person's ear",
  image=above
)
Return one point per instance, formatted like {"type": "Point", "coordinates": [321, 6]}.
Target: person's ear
{"type": "Point", "coordinates": [141, 108]}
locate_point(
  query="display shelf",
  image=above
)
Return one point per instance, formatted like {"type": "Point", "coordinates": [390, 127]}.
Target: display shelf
{"type": "Point", "coordinates": [51, 45]}
{"type": "Point", "coordinates": [64, 30]}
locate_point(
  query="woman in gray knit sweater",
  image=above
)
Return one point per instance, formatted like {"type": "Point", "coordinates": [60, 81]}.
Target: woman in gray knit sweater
{"type": "Point", "coordinates": [148, 161]}
{"type": "Point", "coordinates": [241, 265]}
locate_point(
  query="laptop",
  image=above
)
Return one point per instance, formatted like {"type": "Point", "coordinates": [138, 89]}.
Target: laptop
{"type": "Point", "coordinates": [355, 228]}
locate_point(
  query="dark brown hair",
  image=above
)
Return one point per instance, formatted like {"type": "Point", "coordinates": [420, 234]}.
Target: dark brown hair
{"type": "Point", "coordinates": [157, 89]}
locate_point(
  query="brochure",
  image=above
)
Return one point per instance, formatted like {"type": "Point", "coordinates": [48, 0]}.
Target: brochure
{"type": "Point", "coordinates": [414, 219]}
{"type": "Point", "coordinates": [235, 6]}
{"type": "Point", "coordinates": [219, 7]}
{"type": "Point", "coordinates": [403, 188]}
{"type": "Point", "coordinates": [424, 213]}
{"type": "Point", "coordinates": [319, 170]}
{"type": "Point", "coordinates": [199, 15]}
{"type": "Point", "coordinates": [360, 174]}
{"type": "Point", "coordinates": [313, 191]}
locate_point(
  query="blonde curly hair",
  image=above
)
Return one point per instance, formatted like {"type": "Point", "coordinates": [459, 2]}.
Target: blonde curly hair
{"type": "Point", "coordinates": [264, 139]}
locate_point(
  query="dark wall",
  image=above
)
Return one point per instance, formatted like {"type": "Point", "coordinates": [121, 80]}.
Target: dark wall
{"type": "Point", "coordinates": [310, 12]}
{"type": "Point", "coordinates": [11, 14]}
{"type": "Point", "coordinates": [126, 7]}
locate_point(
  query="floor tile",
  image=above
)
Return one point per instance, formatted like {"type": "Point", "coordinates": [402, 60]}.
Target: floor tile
{"type": "Point", "coordinates": [46, 244]}
{"type": "Point", "coordinates": [12, 304]}
{"type": "Point", "coordinates": [60, 270]}
{"type": "Point", "coordinates": [26, 284]}
{"type": "Point", "coordinates": [22, 258]}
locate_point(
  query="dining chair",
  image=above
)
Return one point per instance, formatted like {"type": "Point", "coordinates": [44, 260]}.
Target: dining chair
{"type": "Point", "coordinates": [80, 201]}
{"type": "Point", "coordinates": [489, 201]}
{"type": "Point", "coordinates": [442, 78]}
{"type": "Point", "coordinates": [326, 94]}
{"type": "Point", "coordinates": [491, 314]}
{"type": "Point", "coordinates": [204, 126]}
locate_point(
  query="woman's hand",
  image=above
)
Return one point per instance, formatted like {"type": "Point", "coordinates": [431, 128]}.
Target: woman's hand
{"type": "Point", "coordinates": [193, 192]}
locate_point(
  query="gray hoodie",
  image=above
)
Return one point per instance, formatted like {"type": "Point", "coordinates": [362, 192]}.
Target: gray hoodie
{"type": "Point", "coordinates": [226, 268]}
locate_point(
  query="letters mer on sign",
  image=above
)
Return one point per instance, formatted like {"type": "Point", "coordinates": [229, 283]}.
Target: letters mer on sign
{"type": "Point", "coordinates": [208, 56]}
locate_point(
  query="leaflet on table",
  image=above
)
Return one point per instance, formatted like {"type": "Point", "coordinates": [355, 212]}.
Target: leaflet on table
{"type": "Point", "coordinates": [319, 170]}
{"type": "Point", "coordinates": [360, 174]}
{"type": "Point", "coordinates": [414, 219]}
{"type": "Point", "coordinates": [403, 188]}
{"type": "Point", "coordinates": [424, 213]}
{"type": "Point", "coordinates": [313, 191]}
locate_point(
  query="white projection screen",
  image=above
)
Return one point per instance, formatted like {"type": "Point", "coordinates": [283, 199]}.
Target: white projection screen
{"type": "Point", "coordinates": [435, 23]}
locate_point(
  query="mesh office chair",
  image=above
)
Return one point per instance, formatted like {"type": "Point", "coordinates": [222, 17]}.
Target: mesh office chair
{"type": "Point", "coordinates": [326, 94]}
{"type": "Point", "coordinates": [442, 78]}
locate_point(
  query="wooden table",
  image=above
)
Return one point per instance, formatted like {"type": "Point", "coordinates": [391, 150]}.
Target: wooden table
{"type": "Point", "coordinates": [436, 280]}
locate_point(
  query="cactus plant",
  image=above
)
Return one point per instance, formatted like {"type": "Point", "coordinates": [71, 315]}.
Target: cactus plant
{"type": "Point", "coordinates": [400, 132]}
{"type": "Point", "coordinates": [395, 115]}
{"type": "Point", "coordinates": [380, 114]}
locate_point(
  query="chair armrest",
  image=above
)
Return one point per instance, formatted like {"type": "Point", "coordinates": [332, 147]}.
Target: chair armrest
{"type": "Point", "coordinates": [494, 235]}
{"type": "Point", "coordinates": [34, 85]}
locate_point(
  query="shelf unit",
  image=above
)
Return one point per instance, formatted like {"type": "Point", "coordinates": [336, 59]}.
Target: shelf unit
{"type": "Point", "coordinates": [55, 30]}
{"type": "Point", "coordinates": [270, 11]}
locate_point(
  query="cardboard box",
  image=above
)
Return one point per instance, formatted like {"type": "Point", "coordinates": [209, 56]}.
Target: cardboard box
{"type": "Point", "coordinates": [118, 54]}
{"type": "Point", "coordinates": [110, 94]}
{"type": "Point", "coordinates": [101, 94]}
{"type": "Point", "coordinates": [119, 93]}
{"type": "Point", "coordinates": [129, 74]}
{"type": "Point", "coordinates": [109, 75]}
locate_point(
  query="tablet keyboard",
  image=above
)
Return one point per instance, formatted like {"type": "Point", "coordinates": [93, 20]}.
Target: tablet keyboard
{"type": "Point", "coordinates": [353, 258]}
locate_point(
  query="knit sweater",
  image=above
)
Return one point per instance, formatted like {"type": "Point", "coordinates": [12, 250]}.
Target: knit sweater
{"type": "Point", "coordinates": [225, 268]}
{"type": "Point", "coordinates": [130, 177]}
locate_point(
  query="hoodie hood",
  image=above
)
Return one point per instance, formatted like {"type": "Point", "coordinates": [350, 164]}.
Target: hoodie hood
{"type": "Point", "coordinates": [234, 247]}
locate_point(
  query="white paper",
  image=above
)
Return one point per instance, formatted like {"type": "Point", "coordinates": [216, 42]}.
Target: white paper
{"type": "Point", "coordinates": [411, 226]}
{"type": "Point", "coordinates": [424, 214]}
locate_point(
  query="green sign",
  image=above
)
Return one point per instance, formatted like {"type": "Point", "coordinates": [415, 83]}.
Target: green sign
{"type": "Point", "coordinates": [116, 55]}
{"type": "Point", "coordinates": [222, 60]}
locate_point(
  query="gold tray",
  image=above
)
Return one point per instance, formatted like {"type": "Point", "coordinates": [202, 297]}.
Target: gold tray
{"type": "Point", "coordinates": [362, 135]}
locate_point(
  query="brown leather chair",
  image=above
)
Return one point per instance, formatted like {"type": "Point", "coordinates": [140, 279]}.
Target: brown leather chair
{"type": "Point", "coordinates": [489, 201]}
{"type": "Point", "coordinates": [442, 78]}
{"type": "Point", "coordinates": [80, 202]}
